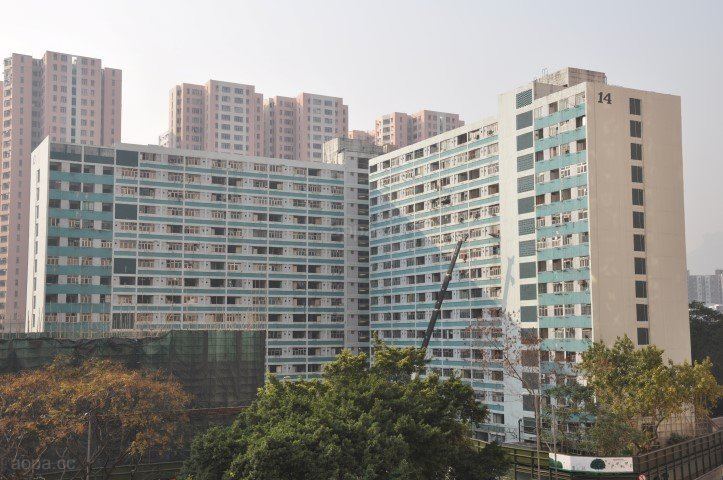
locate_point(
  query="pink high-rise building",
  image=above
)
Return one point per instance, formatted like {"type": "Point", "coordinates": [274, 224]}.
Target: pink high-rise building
{"type": "Point", "coordinates": [68, 98]}
{"type": "Point", "coordinates": [218, 116]}
{"type": "Point", "coordinates": [318, 118]}
{"type": "Point", "coordinates": [296, 128]}
{"type": "Point", "coordinates": [393, 129]}
{"type": "Point", "coordinates": [428, 123]}
{"type": "Point", "coordinates": [280, 117]}
{"type": "Point", "coordinates": [186, 117]}
{"type": "Point", "coordinates": [400, 129]}
{"type": "Point", "coordinates": [234, 118]}
{"type": "Point", "coordinates": [363, 136]}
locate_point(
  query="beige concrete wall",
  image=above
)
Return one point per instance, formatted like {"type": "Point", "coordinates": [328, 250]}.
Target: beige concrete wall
{"type": "Point", "coordinates": [611, 207]}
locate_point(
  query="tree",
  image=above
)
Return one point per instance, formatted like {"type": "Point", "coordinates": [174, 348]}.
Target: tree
{"type": "Point", "coordinates": [706, 341]}
{"type": "Point", "coordinates": [519, 353]}
{"type": "Point", "coordinates": [358, 421]}
{"type": "Point", "coordinates": [574, 413]}
{"type": "Point", "coordinates": [581, 424]}
{"type": "Point", "coordinates": [95, 415]}
{"type": "Point", "coordinates": [636, 391]}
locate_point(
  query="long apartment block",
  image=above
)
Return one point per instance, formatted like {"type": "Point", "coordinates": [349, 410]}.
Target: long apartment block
{"type": "Point", "coordinates": [571, 203]}
{"type": "Point", "coordinates": [142, 238]}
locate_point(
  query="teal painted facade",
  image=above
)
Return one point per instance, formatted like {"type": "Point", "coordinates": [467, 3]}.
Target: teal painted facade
{"type": "Point", "coordinates": [422, 199]}
{"type": "Point", "coordinates": [156, 239]}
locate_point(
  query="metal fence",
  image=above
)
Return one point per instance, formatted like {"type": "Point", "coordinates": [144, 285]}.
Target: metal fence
{"type": "Point", "coordinates": [684, 461]}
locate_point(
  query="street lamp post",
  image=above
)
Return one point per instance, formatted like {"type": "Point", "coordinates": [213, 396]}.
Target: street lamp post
{"type": "Point", "coordinates": [87, 447]}
{"type": "Point", "coordinates": [519, 429]}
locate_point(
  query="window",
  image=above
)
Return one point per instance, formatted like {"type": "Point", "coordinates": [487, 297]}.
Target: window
{"type": "Point", "coordinates": [640, 266]}
{"type": "Point", "coordinates": [524, 141]}
{"type": "Point", "coordinates": [636, 151]}
{"type": "Point", "coordinates": [528, 292]}
{"type": "Point", "coordinates": [636, 129]}
{"type": "Point", "coordinates": [524, 120]}
{"type": "Point", "coordinates": [641, 312]}
{"type": "Point", "coordinates": [636, 174]}
{"type": "Point", "coordinates": [638, 220]}
{"type": "Point", "coordinates": [641, 289]}
{"type": "Point", "coordinates": [643, 336]}
{"type": "Point", "coordinates": [635, 107]}
{"type": "Point", "coordinates": [638, 196]}
{"type": "Point", "coordinates": [639, 243]}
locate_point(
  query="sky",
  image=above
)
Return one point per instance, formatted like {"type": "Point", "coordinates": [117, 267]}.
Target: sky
{"type": "Point", "coordinates": [400, 55]}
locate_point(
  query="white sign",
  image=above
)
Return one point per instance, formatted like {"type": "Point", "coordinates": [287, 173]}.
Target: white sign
{"type": "Point", "coordinates": [572, 463]}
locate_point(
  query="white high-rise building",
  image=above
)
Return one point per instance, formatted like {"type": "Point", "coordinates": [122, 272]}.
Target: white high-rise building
{"type": "Point", "coordinates": [145, 238]}
{"type": "Point", "coordinates": [572, 200]}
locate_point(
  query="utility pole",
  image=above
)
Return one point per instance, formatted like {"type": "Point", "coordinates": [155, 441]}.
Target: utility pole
{"type": "Point", "coordinates": [538, 407]}
{"type": "Point", "coordinates": [87, 448]}
{"type": "Point", "coordinates": [554, 431]}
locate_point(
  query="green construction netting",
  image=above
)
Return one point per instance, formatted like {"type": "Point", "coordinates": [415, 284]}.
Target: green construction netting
{"type": "Point", "coordinates": [221, 368]}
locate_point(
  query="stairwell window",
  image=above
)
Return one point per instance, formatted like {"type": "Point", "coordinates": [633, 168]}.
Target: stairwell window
{"type": "Point", "coordinates": [636, 174]}
{"type": "Point", "coordinates": [641, 312]}
{"type": "Point", "coordinates": [643, 336]}
{"type": "Point", "coordinates": [638, 220]}
{"type": "Point", "coordinates": [641, 289]}
{"type": "Point", "coordinates": [638, 197]}
{"type": "Point", "coordinates": [639, 243]}
{"type": "Point", "coordinates": [640, 266]}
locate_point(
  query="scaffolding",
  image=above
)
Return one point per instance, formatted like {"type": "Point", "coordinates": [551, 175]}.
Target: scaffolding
{"type": "Point", "coordinates": [219, 368]}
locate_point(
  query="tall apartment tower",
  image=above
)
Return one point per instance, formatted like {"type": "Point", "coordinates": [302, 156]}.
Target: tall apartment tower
{"type": "Point", "coordinates": [280, 121]}
{"type": "Point", "coordinates": [67, 98]}
{"type": "Point", "coordinates": [400, 129]}
{"type": "Point", "coordinates": [572, 200]}
{"type": "Point", "coordinates": [233, 118]}
{"type": "Point", "coordinates": [186, 117]}
{"type": "Point", "coordinates": [706, 288]}
{"type": "Point", "coordinates": [298, 127]}
{"type": "Point", "coordinates": [218, 116]}
{"type": "Point", "coordinates": [362, 135]}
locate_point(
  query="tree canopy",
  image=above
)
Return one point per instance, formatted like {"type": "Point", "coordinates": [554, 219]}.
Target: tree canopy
{"type": "Point", "coordinates": [636, 390]}
{"type": "Point", "coordinates": [45, 415]}
{"type": "Point", "coordinates": [706, 341]}
{"type": "Point", "coordinates": [359, 421]}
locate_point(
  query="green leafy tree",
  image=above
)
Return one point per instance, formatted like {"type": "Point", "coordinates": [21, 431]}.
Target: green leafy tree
{"type": "Point", "coordinates": [572, 408]}
{"type": "Point", "coordinates": [636, 391]}
{"type": "Point", "coordinates": [581, 424]}
{"type": "Point", "coordinates": [359, 421]}
{"type": "Point", "coordinates": [706, 341]}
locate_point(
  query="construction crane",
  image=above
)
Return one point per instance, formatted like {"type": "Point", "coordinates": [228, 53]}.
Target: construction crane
{"type": "Point", "coordinates": [440, 296]}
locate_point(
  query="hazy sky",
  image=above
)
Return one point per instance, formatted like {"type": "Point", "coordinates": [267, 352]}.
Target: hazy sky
{"type": "Point", "coordinates": [382, 56]}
